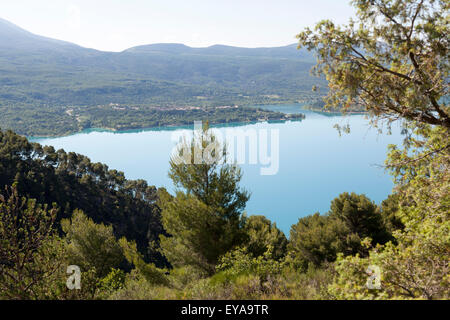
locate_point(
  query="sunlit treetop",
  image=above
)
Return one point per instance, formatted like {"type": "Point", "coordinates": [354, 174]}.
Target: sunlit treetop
{"type": "Point", "coordinates": [392, 59]}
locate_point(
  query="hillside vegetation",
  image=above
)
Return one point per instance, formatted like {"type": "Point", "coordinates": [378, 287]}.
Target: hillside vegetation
{"type": "Point", "coordinates": [41, 76]}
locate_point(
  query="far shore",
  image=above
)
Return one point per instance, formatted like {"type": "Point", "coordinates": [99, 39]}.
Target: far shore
{"type": "Point", "coordinates": [155, 128]}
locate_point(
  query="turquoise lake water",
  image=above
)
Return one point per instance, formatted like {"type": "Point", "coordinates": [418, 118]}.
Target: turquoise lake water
{"type": "Point", "coordinates": [316, 164]}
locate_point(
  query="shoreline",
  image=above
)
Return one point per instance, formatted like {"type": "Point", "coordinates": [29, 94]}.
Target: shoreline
{"type": "Point", "coordinates": [303, 106]}
{"type": "Point", "coordinates": [175, 126]}
{"type": "Point", "coordinates": [334, 112]}
{"type": "Point", "coordinates": [159, 128]}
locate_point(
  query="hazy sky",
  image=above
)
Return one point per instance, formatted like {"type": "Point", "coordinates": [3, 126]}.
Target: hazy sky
{"type": "Point", "coordinates": [115, 25]}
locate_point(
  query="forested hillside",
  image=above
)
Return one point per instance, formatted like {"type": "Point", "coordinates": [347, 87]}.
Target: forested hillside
{"type": "Point", "coordinates": [51, 121]}
{"type": "Point", "coordinates": [72, 182]}
{"type": "Point", "coordinates": [41, 71]}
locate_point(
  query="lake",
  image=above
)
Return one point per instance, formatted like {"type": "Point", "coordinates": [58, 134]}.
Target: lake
{"type": "Point", "coordinates": [316, 164]}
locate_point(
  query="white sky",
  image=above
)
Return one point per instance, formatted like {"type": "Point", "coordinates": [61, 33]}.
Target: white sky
{"type": "Point", "coordinates": [115, 25]}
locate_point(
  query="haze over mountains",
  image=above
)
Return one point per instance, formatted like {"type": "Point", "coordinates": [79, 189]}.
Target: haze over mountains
{"type": "Point", "coordinates": [36, 70]}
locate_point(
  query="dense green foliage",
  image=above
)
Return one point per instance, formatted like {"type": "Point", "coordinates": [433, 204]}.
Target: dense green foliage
{"type": "Point", "coordinates": [204, 220]}
{"type": "Point", "coordinates": [264, 235]}
{"type": "Point", "coordinates": [25, 229]}
{"type": "Point", "coordinates": [361, 217]}
{"type": "Point", "coordinates": [90, 245]}
{"type": "Point", "coordinates": [416, 265]}
{"type": "Point", "coordinates": [74, 182]}
{"type": "Point", "coordinates": [392, 60]}
{"type": "Point", "coordinates": [319, 239]}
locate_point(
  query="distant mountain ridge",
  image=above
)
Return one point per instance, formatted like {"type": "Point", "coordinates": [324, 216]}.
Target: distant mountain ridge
{"type": "Point", "coordinates": [16, 38]}
{"type": "Point", "coordinates": [286, 52]}
{"type": "Point", "coordinates": [36, 70]}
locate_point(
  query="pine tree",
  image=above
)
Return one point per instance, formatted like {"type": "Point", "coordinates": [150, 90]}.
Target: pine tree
{"type": "Point", "coordinates": [205, 218]}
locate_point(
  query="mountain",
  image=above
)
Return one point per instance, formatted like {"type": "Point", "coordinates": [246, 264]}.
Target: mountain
{"type": "Point", "coordinates": [285, 52]}
{"type": "Point", "coordinates": [15, 40]}
{"type": "Point", "coordinates": [39, 71]}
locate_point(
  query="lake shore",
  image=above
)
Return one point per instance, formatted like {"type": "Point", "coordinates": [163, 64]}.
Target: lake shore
{"type": "Point", "coordinates": [213, 123]}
